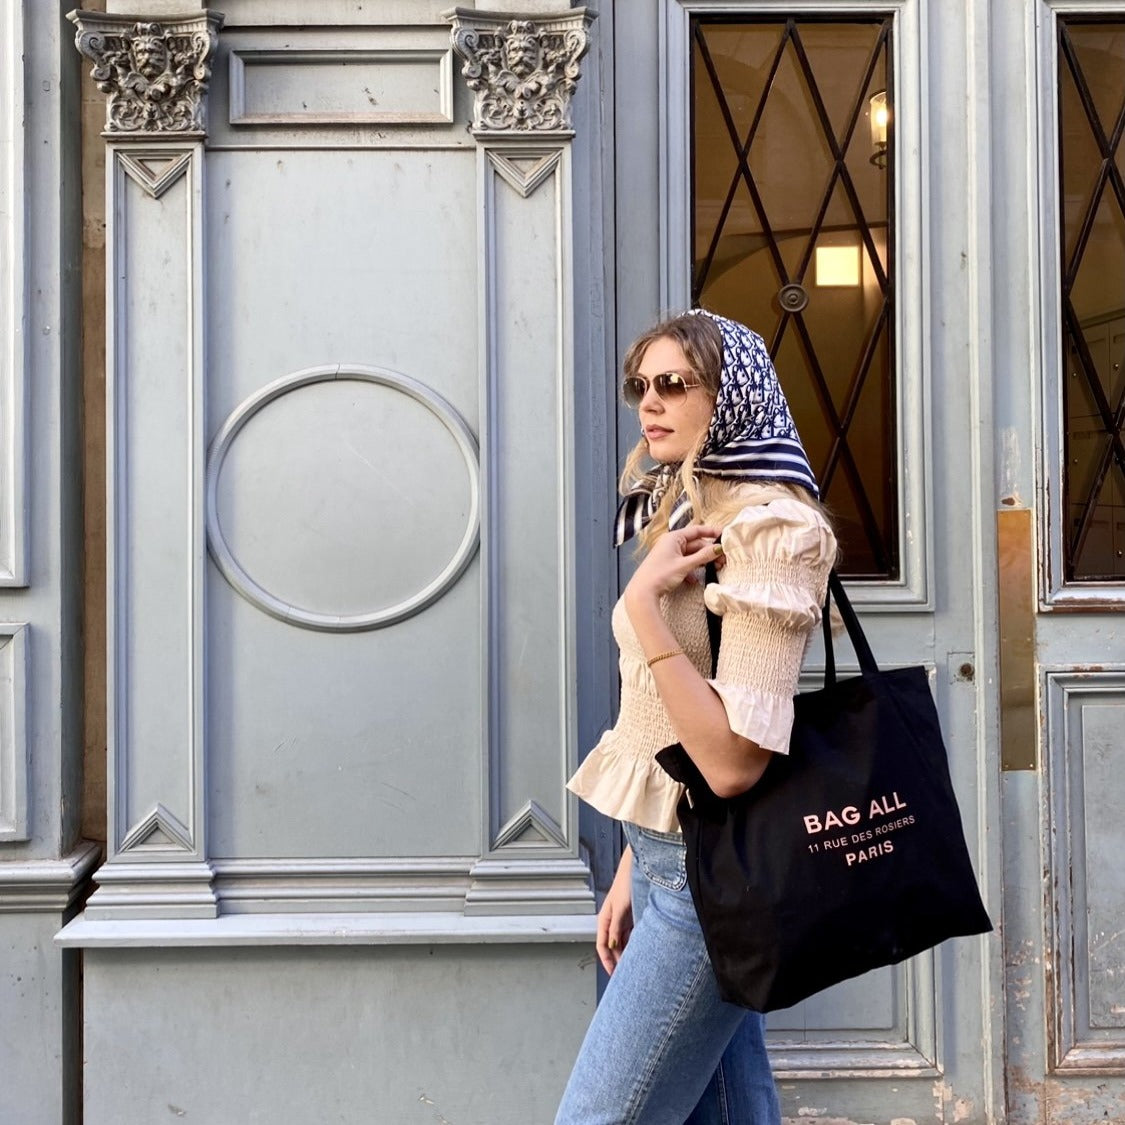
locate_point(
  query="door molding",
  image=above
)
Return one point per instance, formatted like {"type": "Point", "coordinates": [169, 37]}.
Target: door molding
{"type": "Point", "coordinates": [914, 588]}
{"type": "Point", "coordinates": [1043, 168]}
{"type": "Point", "coordinates": [1079, 813]}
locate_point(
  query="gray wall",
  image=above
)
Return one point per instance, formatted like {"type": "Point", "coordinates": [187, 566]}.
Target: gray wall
{"type": "Point", "coordinates": [42, 865]}
{"type": "Point", "coordinates": [352, 355]}
{"type": "Point", "coordinates": [397, 1034]}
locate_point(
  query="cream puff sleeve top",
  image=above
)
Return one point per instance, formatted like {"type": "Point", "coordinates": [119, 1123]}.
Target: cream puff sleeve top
{"type": "Point", "coordinates": [770, 592]}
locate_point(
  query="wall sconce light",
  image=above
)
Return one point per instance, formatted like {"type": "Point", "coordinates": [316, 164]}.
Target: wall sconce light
{"type": "Point", "coordinates": [837, 267]}
{"type": "Point", "coordinates": [880, 117]}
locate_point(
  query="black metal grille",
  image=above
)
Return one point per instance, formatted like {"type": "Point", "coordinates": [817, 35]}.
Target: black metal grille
{"type": "Point", "coordinates": [784, 167]}
{"type": "Point", "coordinates": [1091, 123]}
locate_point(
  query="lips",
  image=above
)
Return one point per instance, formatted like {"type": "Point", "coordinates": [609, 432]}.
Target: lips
{"type": "Point", "coordinates": [654, 433]}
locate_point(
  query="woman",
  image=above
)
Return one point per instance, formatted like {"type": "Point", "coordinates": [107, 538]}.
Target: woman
{"type": "Point", "coordinates": [731, 481]}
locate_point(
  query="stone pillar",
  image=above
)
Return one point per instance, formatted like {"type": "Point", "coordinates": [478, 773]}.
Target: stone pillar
{"type": "Point", "coordinates": [523, 73]}
{"type": "Point", "coordinates": [155, 76]}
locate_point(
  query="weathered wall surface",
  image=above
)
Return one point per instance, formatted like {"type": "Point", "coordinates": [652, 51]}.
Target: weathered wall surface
{"type": "Point", "coordinates": [345, 449]}
{"type": "Point", "coordinates": [394, 1035]}
{"type": "Point", "coordinates": [93, 457]}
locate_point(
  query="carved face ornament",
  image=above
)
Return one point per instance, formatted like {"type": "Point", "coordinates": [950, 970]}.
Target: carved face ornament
{"type": "Point", "coordinates": [521, 51]}
{"type": "Point", "coordinates": [150, 54]}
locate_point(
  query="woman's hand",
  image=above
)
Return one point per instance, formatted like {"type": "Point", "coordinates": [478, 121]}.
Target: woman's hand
{"type": "Point", "coordinates": [615, 919]}
{"type": "Point", "coordinates": [672, 560]}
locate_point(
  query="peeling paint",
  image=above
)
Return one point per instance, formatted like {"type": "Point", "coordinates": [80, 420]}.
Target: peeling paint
{"type": "Point", "coordinates": [1069, 1102]}
{"type": "Point", "coordinates": [1010, 467]}
{"type": "Point", "coordinates": [822, 1121]}
{"type": "Point", "coordinates": [943, 1095]}
{"type": "Point", "coordinates": [441, 1119]}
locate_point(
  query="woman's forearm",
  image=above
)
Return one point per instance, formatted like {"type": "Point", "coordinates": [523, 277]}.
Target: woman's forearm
{"type": "Point", "coordinates": [729, 763]}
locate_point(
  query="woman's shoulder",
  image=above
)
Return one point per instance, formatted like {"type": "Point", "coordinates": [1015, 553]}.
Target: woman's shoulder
{"type": "Point", "coordinates": [769, 520]}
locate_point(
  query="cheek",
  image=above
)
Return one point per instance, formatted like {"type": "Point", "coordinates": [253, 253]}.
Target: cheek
{"type": "Point", "coordinates": [704, 408]}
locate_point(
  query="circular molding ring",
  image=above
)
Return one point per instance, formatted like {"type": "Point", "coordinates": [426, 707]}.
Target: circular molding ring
{"type": "Point", "coordinates": [306, 618]}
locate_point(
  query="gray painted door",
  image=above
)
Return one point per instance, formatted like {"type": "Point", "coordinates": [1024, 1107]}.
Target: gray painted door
{"type": "Point", "coordinates": [1058, 308]}
{"type": "Point", "coordinates": [916, 1042]}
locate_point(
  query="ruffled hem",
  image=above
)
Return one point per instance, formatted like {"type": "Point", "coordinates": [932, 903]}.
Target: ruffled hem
{"type": "Point", "coordinates": [627, 786]}
{"type": "Point", "coordinates": [763, 718]}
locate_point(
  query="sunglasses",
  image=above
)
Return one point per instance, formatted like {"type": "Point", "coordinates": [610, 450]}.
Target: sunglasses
{"type": "Point", "coordinates": [668, 385]}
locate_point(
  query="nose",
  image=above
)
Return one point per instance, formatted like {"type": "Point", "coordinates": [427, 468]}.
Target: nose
{"type": "Point", "coordinates": [651, 400]}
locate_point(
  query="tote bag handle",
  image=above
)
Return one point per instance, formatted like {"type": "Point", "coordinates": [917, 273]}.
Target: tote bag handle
{"type": "Point", "coordinates": [851, 623]}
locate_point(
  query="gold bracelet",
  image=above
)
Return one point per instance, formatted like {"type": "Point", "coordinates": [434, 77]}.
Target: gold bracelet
{"type": "Point", "coordinates": [664, 656]}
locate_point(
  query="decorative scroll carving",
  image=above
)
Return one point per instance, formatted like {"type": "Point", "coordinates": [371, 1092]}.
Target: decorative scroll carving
{"type": "Point", "coordinates": [155, 74]}
{"type": "Point", "coordinates": [523, 72]}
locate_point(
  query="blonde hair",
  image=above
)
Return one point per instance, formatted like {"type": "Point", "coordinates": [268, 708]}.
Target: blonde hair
{"type": "Point", "coordinates": [714, 500]}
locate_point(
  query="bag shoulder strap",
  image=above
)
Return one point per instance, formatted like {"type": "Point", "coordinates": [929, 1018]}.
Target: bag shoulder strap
{"type": "Point", "coordinates": [851, 622]}
{"type": "Point", "coordinates": [714, 621]}
{"type": "Point", "coordinates": [835, 590]}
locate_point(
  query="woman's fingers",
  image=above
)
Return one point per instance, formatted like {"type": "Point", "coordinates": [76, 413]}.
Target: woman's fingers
{"type": "Point", "coordinates": [700, 533]}
{"type": "Point", "coordinates": [673, 558]}
{"type": "Point", "coordinates": [606, 955]}
{"type": "Point", "coordinates": [701, 545]}
{"type": "Point", "coordinates": [704, 553]}
{"type": "Point", "coordinates": [613, 933]}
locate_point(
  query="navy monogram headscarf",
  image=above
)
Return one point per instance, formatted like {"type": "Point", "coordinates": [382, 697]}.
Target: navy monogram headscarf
{"type": "Point", "coordinates": [751, 436]}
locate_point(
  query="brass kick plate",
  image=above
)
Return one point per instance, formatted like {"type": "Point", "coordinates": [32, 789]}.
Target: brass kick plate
{"type": "Point", "coordinates": [1019, 731]}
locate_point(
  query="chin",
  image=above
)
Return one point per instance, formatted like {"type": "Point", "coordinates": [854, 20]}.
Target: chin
{"type": "Point", "coordinates": [664, 452]}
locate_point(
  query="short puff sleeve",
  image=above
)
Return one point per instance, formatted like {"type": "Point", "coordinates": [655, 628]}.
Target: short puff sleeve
{"type": "Point", "coordinates": [769, 595]}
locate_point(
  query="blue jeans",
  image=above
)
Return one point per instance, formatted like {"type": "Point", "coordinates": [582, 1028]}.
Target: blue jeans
{"type": "Point", "coordinates": [663, 1048]}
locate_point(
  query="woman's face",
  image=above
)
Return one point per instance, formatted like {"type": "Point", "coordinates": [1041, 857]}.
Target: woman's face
{"type": "Point", "coordinates": [672, 425]}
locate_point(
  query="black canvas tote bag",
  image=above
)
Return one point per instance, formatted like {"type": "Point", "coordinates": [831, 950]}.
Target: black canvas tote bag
{"type": "Point", "coordinates": [847, 855]}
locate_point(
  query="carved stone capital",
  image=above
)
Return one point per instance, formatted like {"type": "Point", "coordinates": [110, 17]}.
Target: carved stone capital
{"type": "Point", "coordinates": [155, 71]}
{"type": "Point", "coordinates": [523, 71]}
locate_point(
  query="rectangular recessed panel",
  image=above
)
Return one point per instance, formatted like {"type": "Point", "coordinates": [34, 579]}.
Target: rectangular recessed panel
{"type": "Point", "coordinates": [527, 466]}
{"type": "Point", "coordinates": [13, 505]}
{"type": "Point", "coordinates": [864, 1005]}
{"type": "Point", "coordinates": [151, 474]}
{"type": "Point", "coordinates": [346, 498]}
{"type": "Point", "coordinates": [333, 87]}
{"type": "Point", "coordinates": [13, 742]}
{"type": "Point", "coordinates": [1085, 747]}
{"type": "Point", "coordinates": [1102, 728]}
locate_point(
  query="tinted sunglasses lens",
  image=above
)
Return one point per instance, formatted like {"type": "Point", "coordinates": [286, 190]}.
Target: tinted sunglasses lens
{"type": "Point", "coordinates": [633, 390]}
{"type": "Point", "coordinates": [670, 385]}
{"type": "Point", "coordinates": [667, 385]}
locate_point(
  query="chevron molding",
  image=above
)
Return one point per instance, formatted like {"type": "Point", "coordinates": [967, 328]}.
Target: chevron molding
{"type": "Point", "coordinates": [154, 171]}
{"type": "Point", "coordinates": [159, 831]}
{"type": "Point", "coordinates": [532, 826]}
{"type": "Point", "coordinates": [525, 169]}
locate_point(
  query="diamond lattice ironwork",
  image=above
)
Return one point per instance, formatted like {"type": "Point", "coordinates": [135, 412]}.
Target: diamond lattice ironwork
{"type": "Point", "coordinates": [789, 178]}
{"type": "Point", "coordinates": [1091, 58]}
